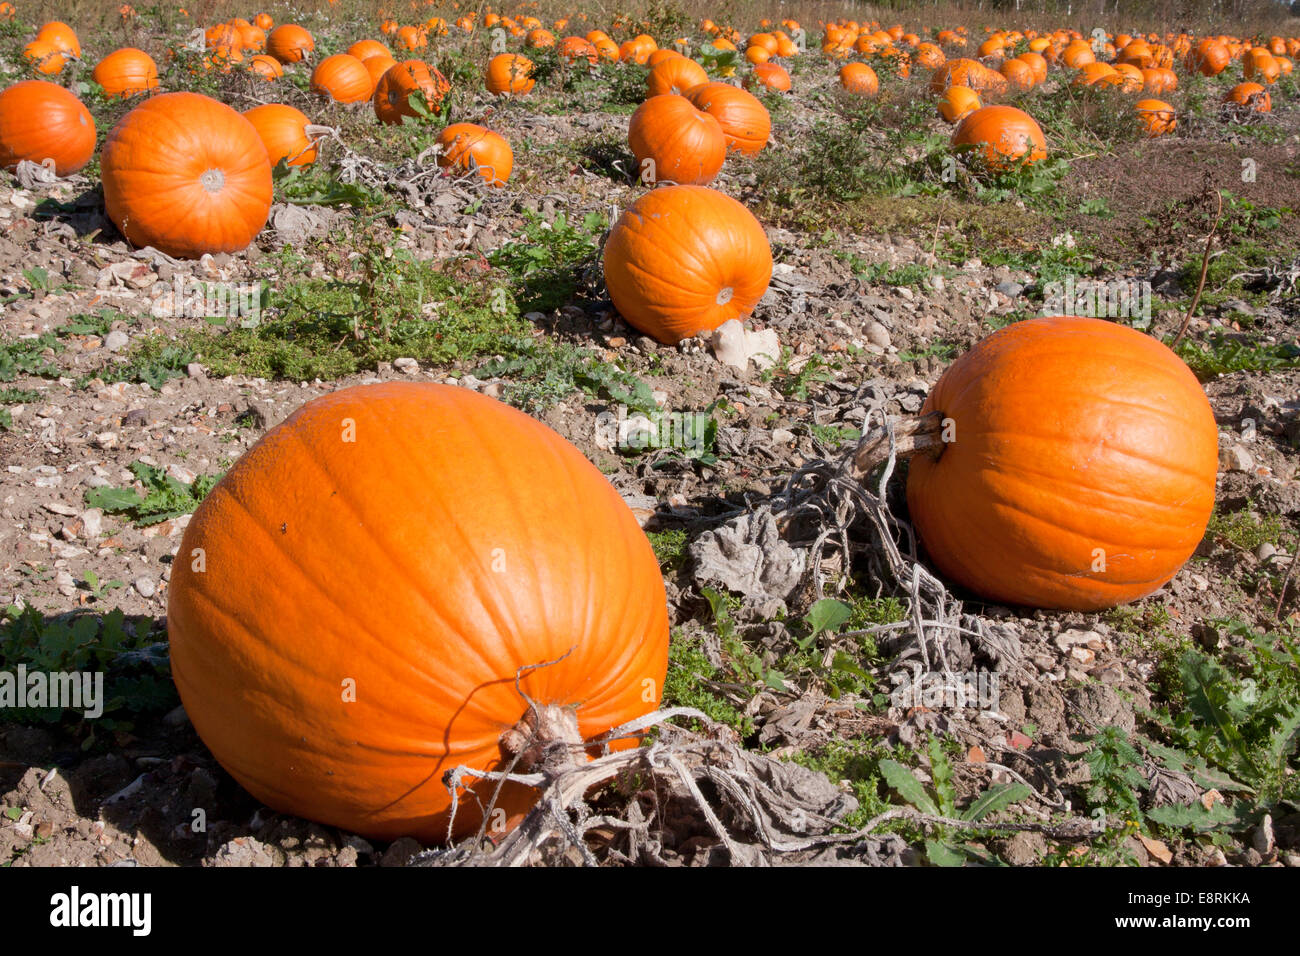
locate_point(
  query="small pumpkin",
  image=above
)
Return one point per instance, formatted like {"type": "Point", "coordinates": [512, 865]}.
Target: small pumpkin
{"type": "Point", "coordinates": [509, 73]}
{"type": "Point", "coordinates": [266, 66]}
{"type": "Point", "coordinates": [685, 259]}
{"type": "Point", "coordinates": [126, 72]}
{"type": "Point", "coordinates": [471, 148]}
{"type": "Point", "coordinates": [1081, 468]}
{"type": "Point", "coordinates": [343, 78]}
{"type": "Point", "coordinates": [1007, 136]}
{"type": "Point", "coordinates": [187, 175]}
{"type": "Point", "coordinates": [772, 76]}
{"type": "Point", "coordinates": [676, 74]}
{"type": "Point", "coordinates": [859, 78]}
{"type": "Point", "coordinates": [365, 49]}
{"type": "Point", "coordinates": [283, 131]}
{"type": "Point", "coordinates": [394, 90]}
{"type": "Point", "coordinates": [40, 121]}
{"type": "Point", "coordinates": [290, 43]}
{"type": "Point", "coordinates": [44, 57]}
{"type": "Point", "coordinates": [60, 36]}
{"type": "Point", "coordinates": [1156, 117]}
{"type": "Point", "coordinates": [1250, 95]}
{"type": "Point", "coordinates": [675, 142]}
{"type": "Point", "coordinates": [477, 564]}
{"type": "Point", "coordinates": [745, 121]}
{"type": "Point", "coordinates": [958, 103]}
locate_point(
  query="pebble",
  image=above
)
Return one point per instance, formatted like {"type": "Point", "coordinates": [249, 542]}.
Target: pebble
{"type": "Point", "coordinates": [877, 334]}
{"type": "Point", "coordinates": [146, 587]}
{"type": "Point", "coordinates": [782, 436]}
{"type": "Point", "coordinates": [1236, 458]}
{"type": "Point", "coordinates": [407, 366]}
{"type": "Point", "coordinates": [92, 522]}
{"type": "Point", "coordinates": [1010, 289]}
{"type": "Point", "coordinates": [1265, 551]}
{"type": "Point", "coordinates": [116, 340]}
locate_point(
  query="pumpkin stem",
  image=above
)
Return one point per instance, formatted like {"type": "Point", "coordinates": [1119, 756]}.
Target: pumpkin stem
{"type": "Point", "coordinates": [904, 437]}
{"type": "Point", "coordinates": [213, 180]}
{"type": "Point", "coordinates": [546, 739]}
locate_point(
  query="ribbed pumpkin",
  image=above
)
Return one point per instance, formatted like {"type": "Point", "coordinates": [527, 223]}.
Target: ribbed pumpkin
{"type": "Point", "coordinates": [745, 122]}
{"type": "Point", "coordinates": [266, 66]}
{"type": "Point", "coordinates": [1250, 95]}
{"type": "Point", "coordinates": [957, 103]}
{"type": "Point", "coordinates": [685, 259]}
{"type": "Point", "coordinates": [509, 73]}
{"type": "Point", "coordinates": [469, 147]}
{"type": "Point", "coordinates": [61, 37]}
{"type": "Point", "coordinates": [676, 74]}
{"type": "Point", "coordinates": [39, 121]}
{"type": "Point", "coordinates": [343, 78]}
{"type": "Point", "coordinates": [377, 65]}
{"type": "Point", "coordinates": [859, 78]}
{"type": "Point", "coordinates": [352, 603]}
{"type": "Point", "coordinates": [770, 76]}
{"type": "Point", "coordinates": [675, 142]}
{"type": "Point", "coordinates": [365, 49]}
{"type": "Point", "coordinates": [283, 131]}
{"type": "Point", "coordinates": [44, 57]}
{"type": "Point", "coordinates": [126, 72]}
{"type": "Point", "coordinates": [1080, 469]}
{"type": "Point", "coordinates": [290, 43]}
{"type": "Point", "coordinates": [187, 175]}
{"type": "Point", "coordinates": [1156, 117]}
{"type": "Point", "coordinates": [395, 88]}
{"type": "Point", "coordinates": [1007, 135]}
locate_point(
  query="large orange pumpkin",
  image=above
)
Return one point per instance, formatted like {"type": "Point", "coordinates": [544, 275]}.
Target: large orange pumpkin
{"type": "Point", "coordinates": [469, 148]}
{"type": "Point", "coordinates": [1079, 469]}
{"type": "Point", "coordinates": [395, 88]}
{"type": "Point", "coordinates": [509, 73]}
{"type": "Point", "coordinates": [859, 78]}
{"type": "Point", "coordinates": [1007, 136]}
{"type": "Point", "coordinates": [745, 122]}
{"type": "Point", "coordinates": [685, 259]}
{"type": "Point", "coordinates": [283, 131]}
{"type": "Point", "coordinates": [343, 78]}
{"type": "Point", "coordinates": [675, 142]}
{"type": "Point", "coordinates": [290, 43]}
{"type": "Point", "coordinates": [187, 175]}
{"type": "Point", "coordinates": [126, 72]}
{"type": "Point", "coordinates": [39, 121]}
{"type": "Point", "coordinates": [353, 602]}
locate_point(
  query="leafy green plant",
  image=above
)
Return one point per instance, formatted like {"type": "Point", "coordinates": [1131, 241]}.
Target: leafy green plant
{"type": "Point", "coordinates": [944, 849]}
{"type": "Point", "coordinates": [24, 357]}
{"type": "Point", "coordinates": [688, 670]}
{"type": "Point", "coordinates": [164, 497]}
{"type": "Point", "coordinates": [746, 664]}
{"type": "Point", "coordinates": [547, 258]}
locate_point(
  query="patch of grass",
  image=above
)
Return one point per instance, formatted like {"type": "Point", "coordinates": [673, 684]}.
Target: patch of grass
{"type": "Point", "coordinates": [857, 761]}
{"type": "Point", "coordinates": [1246, 530]}
{"type": "Point", "coordinates": [543, 372]}
{"type": "Point", "coordinates": [393, 306]}
{"type": "Point", "coordinates": [547, 259]}
{"type": "Point", "coordinates": [670, 548]}
{"type": "Point", "coordinates": [833, 436]}
{"type": "Point", "coordinates": [26, 357]}
{"type": "Point", "coordinates": [162, 496]}
{"type": "Point", "coordinates": [688, 668]}
{"type": "Point", "coordinates": [152, 359]}
{"type": "Point", "coordinates": [1223, 353]}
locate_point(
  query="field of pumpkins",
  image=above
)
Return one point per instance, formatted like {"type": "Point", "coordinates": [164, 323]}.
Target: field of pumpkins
{"type": "Point", "coordinates": [472, 434]}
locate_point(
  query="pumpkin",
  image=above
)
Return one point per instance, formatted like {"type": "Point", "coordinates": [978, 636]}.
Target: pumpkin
{"type": "Point", "coordinates": [1250, 95]}
{"type": "Point", "coordinates": [676, 74]}
{"type": "Point", "coordinates": [539, 39]}
{"type": "Point", "coordinates": [365, 49]}
{"type": "Point", "coordinates": [252, 38]}
{"type": "Point", "coordinates": [573, 49]}
{"type": "Point", "coordinates": [675, 142]}
{"type": "Point", "coordinates": [658, 56]}
{"type": "Point", "coordinates": [40, 121]}
{"type": "Point", "coordinates": [60, 36]}
{"type": "Point", "coordinates": [685, 259]}
{"type": "Point", "coordinates": [378, 65]}
{"type": "Point", "coordinates": [263, 21]}
{"type": "Point", "coordinates": [283, 131]}
{"type": "Point", "coordinates": [509, 73]}
{"type": "Point", "coordinates": [126, 72]}
{"type": "Point", "coordinates": [290, 43]}
{"type": "Point", "coordinates": [1080, 471]}
{"type": "Point", "coordinates": [958, 72]}
{"type": "Point", "coordinates": [929, 56]}
{"type": "Point", "coordinates": [860, 79]}
{"type": "Point", "coordinates": [958, 103]}
{"type": "Point", "coordinates": [410, 39]}
{"type": "Point", "coordinates": [266, 66]}
{"type": "Point", "coordinates": [1018, 73]}
{"type": "Point", "coordinates": [772, 76]}
{"type": "Point", "coordinates": [746, 124]}
{"type": "Point", "coordinates": [340, 648]}
{"type": "Point", "coordinates": [470, 148]}
{"type": "Point", "coordinates": [1037, 66]}
{"type": "Point", "coordinates": [400, 83]}
{"type": "Point", "coordinates": [1007, 136]}
{"type": "Point", "coordinates": [44, 57]}
{"type": "Point", "coordinates": [343, 78]}
{"type": "Point", "coordinates": [1156, 117]}
{"type": "Point", "coordinates": [1159, 80]}
{"type": "Point", "coordinates": [1210, 57]}
{"type": "Point", "coordinates": [187, 175]}
{"type": "Point", "coordinates": [1259, 64]}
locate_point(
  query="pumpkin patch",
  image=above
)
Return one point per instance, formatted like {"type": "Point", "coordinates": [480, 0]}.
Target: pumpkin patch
{"type": "Point", "coordinates": [649, 435]}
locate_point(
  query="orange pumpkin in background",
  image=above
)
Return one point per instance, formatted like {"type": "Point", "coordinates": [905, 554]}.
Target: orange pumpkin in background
{"type": "Point", "coordinates": [126, 72]}
{"type": "Point", "coordinates": [40, 121]}
{"type": "Point", "coordinates": [290, 43]}
{"type": "Point", "coordinates": [745, 121]}
{"type": "Point", "coordinates": [343, 78]}
{"type": "Point", "coordinates": [283, 131]}
{"type": "Point", "coordinates": [675, 142]}
{"type": "Point", "coordinates": [509, 73]}
{"type": "Point", "coordinates": [1005, 134]}
{"type": "Point", "coordinates": [392, 99]}
{"type": "Point", "coordinates": [471, 148]}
